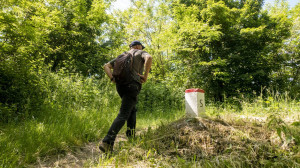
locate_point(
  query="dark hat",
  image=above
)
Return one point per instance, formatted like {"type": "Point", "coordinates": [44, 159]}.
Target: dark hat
{"type": "Point", "coordinates": [136, 43]}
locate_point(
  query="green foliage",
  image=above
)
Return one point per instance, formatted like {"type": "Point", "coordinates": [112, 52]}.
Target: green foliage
{"type": "Point", "coordinates": [149, 21]}
{"type": "Point", "coordinates": [156, 96]}
{"type": "Point", "coordinates": [54, 94]}
{"type": "Point", "coordinates": [39, 35]}
{"type": "Point", "coordinates": [288, 76]}
{"type": "Point", "coordinates": [283, 129]}
{"type": "Point", "coordinates": [20, 92]}
{"type": "Point", "coordinates": [72, 43]}
{"type": "Point", "coordinates": [60, 34]}
{"type": "Point", "coordinates": [238, 56]}
{"type": "Point", "coordinates": [225, 47]}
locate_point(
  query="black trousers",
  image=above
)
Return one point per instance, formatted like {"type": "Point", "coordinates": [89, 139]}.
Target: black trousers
{"type": "Point", "coordinates": [128, 94]}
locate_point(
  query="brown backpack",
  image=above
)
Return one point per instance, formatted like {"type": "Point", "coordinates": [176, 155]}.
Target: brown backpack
{"type": "Point", "coordinates": [122, 70]}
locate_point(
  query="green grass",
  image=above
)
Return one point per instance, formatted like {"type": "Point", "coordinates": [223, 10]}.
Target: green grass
{"type": "Point", "coordinates": [154, 119]}
{"type": "Point", "coordinates": [76, 112]}
{"type": "Point", "coordinates": [61, 131]}
{"type": "Point", "coordinates": [281, 105]}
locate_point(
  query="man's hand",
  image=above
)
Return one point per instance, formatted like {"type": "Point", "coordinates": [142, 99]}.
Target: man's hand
{"type": "Point", "coordinates": [113, 80]}
{"type": "Point", "coordinates": [107, 70]}
{"type": "Point", "coordinates": [143, 78]}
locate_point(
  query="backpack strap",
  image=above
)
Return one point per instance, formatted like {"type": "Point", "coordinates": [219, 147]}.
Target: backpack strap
{"type": "Point", "coordinates": [135, 50]}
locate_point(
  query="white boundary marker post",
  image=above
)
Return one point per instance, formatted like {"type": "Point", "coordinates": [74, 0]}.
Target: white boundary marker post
{"type": "Point", "coordinates": [194, 102]}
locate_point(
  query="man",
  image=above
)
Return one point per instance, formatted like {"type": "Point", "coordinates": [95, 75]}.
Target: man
{"type": "Point", "coordinates": [128, 94]}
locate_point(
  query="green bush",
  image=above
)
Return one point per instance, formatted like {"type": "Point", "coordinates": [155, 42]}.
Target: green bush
{"type": "Point", "coordinates": [20, 93]}
{"type": "Point", "coordinates": [158, 96]}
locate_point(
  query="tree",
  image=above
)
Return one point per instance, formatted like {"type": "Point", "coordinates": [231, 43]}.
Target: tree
{"type": "Point", "coordinates": [150, 22]}
{"type": "Point", "coordinates": [73, 42]}
{"type": "Point", "coordinates": [238, 54]}
{"type": "Point", "coordinates": [35, 35]}
{"type": "Point", "coordinates": [289, 74]}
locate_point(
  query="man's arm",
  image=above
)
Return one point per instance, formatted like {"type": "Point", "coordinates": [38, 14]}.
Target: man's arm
{"type": "Point", "coordinates": [148, 63]}
{"type": "Point", "coordinates": [107, 70]}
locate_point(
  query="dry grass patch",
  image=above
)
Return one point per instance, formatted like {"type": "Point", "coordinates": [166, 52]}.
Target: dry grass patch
{"type": "Point", "coordinates": [215, 142]}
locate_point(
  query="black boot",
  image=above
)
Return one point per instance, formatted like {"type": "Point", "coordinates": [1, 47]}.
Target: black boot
{"type": "Point", "coordinates": [105, 147]}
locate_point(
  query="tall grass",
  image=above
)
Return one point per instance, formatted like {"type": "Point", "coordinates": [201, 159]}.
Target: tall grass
{"type": "Point", "coordinates": [262, 106]}
{"type": "Point", "coordinates": [78, 110]}
{"type": "Point", "coordinates": [75, 110]}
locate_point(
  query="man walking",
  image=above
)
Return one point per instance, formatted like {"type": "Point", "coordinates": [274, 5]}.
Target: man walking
{"type": "Point", "coordinates": [128, 93]}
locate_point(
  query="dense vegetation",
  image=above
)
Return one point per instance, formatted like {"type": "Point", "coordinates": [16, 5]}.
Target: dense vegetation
{"type": "Point", "coordinates": [54, 94]}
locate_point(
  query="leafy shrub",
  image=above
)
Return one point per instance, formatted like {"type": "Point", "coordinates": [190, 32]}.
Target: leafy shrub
{"type": "Point", "coordinates": [159, 96]}
{"type": "Point", "coordinates": [20, 93]}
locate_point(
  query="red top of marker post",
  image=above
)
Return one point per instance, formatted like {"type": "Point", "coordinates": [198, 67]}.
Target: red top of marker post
{"type": "Point", "coordinates": [194, 90]}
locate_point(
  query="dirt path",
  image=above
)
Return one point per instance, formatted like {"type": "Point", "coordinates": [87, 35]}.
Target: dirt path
{"type": "Point", "coordinates": [85, 156]}
{"type": "Point", "coordinates": [74, 159]}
